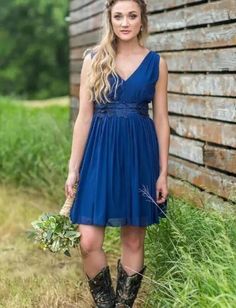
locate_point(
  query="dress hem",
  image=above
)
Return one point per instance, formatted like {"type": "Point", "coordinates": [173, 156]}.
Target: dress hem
{"type": "Point", "coordinates": [117, 223]}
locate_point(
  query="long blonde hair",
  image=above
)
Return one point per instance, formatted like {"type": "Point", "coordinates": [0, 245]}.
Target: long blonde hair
{"type": "Point", "coordinates": [103, 62]}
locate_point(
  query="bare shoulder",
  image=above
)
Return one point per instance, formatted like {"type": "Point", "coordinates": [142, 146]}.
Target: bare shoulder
{"type": "Point", "coordinates": [90, 52]}
{"type": "Point", "coordinates": [86, 65]}
{"type": "Point", "coordinates": [87, 57]}
{"type": "Point", "coordinates": [85, 105]}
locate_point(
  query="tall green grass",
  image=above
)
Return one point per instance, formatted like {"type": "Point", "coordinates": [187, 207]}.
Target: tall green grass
{"type": "Point", "coordinates": [35, 147]}
{"type": "Point", "coordinates": [192, 256]}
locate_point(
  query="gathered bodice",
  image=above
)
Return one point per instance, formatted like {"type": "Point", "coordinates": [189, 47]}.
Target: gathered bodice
{"type": "Point", "coordinates": [133, 94]}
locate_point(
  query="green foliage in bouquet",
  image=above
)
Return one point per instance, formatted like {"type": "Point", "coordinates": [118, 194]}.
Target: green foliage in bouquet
{"type": "Point", "coordinates": [56, 233]}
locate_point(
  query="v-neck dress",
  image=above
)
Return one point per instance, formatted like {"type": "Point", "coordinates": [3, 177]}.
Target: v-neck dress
{"type": "Point", "coordinates": [120, 163]}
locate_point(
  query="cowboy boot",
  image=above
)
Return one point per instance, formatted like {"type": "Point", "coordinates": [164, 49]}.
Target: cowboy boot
{"type": "Point", "coordinates": [127, 286]}
{"type": "Point", "coordinates": [101, 289]}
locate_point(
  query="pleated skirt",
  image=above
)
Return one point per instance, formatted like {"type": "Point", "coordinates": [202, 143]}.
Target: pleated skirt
{"type": "Point", "coordinates": [118, 174]}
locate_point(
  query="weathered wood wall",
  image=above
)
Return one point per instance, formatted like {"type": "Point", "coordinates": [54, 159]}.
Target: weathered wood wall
{"type": "Point", "coordinates": [198, 40]}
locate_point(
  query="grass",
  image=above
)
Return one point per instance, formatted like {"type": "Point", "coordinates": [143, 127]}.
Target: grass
{"type": "Point", "coordinates": [192, 258]}
{"type": "Point", "coordinates": [35, 147]}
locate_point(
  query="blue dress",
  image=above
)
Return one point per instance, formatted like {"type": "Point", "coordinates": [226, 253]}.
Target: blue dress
{"type": "Point", "coordinates": [120, 164]}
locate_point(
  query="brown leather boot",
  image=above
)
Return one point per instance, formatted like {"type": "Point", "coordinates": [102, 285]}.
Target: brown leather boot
{"type": "Point", "coordinates": [101, 289]}
{"type": "Point", "coordinates": [127, 286]}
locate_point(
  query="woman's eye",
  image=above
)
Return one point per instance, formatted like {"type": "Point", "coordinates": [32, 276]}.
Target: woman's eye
{"type": "Point", "coordinates": [118, 16]}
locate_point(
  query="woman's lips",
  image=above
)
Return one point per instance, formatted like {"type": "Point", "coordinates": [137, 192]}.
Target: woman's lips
{"type": "Point", "coordinates": [125, 31]}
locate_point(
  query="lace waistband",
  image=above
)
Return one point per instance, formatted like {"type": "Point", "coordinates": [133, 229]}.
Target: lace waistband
{"type": "Point", "coordinates": [121, 109]}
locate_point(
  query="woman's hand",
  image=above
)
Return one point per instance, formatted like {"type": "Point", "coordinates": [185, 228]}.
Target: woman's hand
{"type": "Point", "coordinates": [72, 178]}
{"type": "Point", "coordinates": [161, 189]}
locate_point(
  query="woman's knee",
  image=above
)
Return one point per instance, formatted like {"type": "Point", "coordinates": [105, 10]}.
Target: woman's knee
{"type": "Point", "coordinates": [88, 245]}
{"type": "Point", "coordinates": [133, 238]}
{"type": "Point", "coordinates": [91, 239]}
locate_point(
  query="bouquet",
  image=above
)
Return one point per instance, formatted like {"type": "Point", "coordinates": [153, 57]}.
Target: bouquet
{"type": "Point", "coordinates": [56, 232]}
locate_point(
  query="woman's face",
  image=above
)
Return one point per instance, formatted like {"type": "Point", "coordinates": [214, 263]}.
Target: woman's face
{"type": "Point", "coordinates": [126, 19]}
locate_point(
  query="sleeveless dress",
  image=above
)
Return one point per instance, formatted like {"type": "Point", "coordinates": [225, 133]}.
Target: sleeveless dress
{"type": "Point", "coordinates": [121, 156]}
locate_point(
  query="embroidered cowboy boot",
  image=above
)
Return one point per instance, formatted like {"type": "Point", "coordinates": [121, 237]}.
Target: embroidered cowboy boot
{"type": "Point", "coordinates": [101, 289]}
{"type": "Point", "coordinates": [127, 286]}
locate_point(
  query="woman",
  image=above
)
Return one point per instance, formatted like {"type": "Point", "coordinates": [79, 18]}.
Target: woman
{"type": "Point", "coordinates": [117, 149]}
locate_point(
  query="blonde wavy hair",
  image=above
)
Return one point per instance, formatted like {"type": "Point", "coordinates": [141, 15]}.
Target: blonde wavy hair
{"type": "Point", "coordinates": [103, 61]}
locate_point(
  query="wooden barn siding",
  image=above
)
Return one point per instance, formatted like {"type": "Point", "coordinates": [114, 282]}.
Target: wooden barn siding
{"type": "Point", "coordinates": [198, 40]}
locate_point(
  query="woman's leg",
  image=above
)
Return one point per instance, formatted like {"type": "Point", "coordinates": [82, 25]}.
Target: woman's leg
{"type": "Point", "coordinates": [130, 268]}
{"type": "Point", "coordinates": [132, 248]}
{"type": "Point", "coordinates": [95, 265]}
{"type": "Point", "coordinates": [91, 242]}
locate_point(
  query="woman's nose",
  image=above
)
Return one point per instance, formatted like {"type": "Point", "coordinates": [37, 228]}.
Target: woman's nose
{"type": "Point", "coordinates": [124, 22]}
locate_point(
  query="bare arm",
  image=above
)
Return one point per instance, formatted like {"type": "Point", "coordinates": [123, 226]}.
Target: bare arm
{"type": "Point", "coordinates": [161, 121]}
{"type": "Point", "coordinates": [81, 128]}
